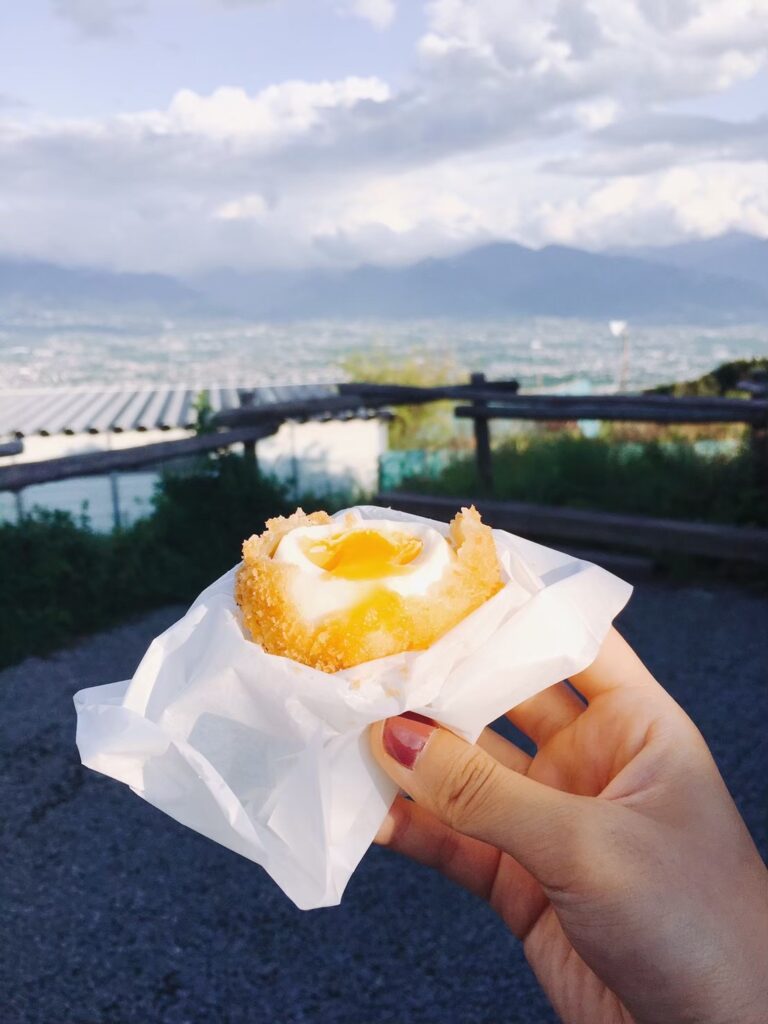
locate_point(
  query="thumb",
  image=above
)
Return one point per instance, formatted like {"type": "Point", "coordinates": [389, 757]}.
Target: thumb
{"type": "Point", "coordinates": [463, 786]}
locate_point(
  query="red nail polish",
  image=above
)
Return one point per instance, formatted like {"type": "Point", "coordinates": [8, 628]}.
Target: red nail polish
{"type": "Point", "coordinates": [405, 738]}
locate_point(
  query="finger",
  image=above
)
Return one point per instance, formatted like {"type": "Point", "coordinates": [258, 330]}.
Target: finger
{"type": "Point", "coordinates": [413, 831]}
{"type": "Point", "coordinates": [468, 790]}
{"type": "Point", "coordinates": [548, 713]}
{"type": "Point", "coordinates": [504, 751]}
{"type": "Point", "coordinates": [615, 666]}
{"type": "Point", "coordinates": [481, 869]}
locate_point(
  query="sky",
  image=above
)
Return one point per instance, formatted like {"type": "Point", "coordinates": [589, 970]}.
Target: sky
{"type": "Point", "coordinates": [184, 135]}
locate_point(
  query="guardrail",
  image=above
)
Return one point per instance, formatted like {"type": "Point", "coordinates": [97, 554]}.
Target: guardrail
{"type": "Point", "coordinates": [493, 400]}
{"type": "Point", "coordinates": [24, 474]}
{"type": "Point", "coordinates": [487, 400]}
{"type": "Point", "coordinates": [643, 533]}
{"type": "Point", "coordinates": [244, 425]}
{"type": "Point", "coordinates": [15, 447]}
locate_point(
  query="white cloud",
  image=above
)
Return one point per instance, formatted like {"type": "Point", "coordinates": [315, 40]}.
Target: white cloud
{"type": "Point", "coordinates": [644, 50]}
{"type": "Point", "coordinates": [402, 217]}
{"type": "Point", "coordinates": [277, 112]}
{"type": "Point", "coordinates": [700, 201]}
{"type": "Point", "coordinates": [546, 122]}
{"type": "Point", "coordinates": [249, 207]}
{"type": "Point", "coordinates": [380, 13]}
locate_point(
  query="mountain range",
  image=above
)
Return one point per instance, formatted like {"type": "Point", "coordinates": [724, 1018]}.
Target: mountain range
{"type": "Point", "coordinates": [723, 279]}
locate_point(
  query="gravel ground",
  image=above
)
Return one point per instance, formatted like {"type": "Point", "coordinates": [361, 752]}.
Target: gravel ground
{"type": "Point", "coordinates": [114, 914]}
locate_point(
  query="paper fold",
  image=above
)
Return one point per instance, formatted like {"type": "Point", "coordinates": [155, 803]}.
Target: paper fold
{"type": "Point", "coordinates": [270, 758]}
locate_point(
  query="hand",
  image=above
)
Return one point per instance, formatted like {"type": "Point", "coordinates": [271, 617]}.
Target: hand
{"type": "Point", "coordinates": [615, 854]}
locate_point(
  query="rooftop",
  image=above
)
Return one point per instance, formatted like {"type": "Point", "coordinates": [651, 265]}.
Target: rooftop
{"type": "Point", "coordinates": [50, 411]}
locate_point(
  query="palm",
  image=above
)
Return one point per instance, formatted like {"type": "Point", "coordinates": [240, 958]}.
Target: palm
{"type": "Point", "coordinates": [620, 866]}
{"type": "Point", "coordinates": [583, 757]}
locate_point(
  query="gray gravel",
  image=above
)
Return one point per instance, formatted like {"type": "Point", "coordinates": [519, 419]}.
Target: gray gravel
{"type": "Point", "coordinates": [114, 914]}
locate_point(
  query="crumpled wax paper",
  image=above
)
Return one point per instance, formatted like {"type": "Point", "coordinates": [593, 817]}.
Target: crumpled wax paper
{"type": "Point", "coordinates": [270, 758]}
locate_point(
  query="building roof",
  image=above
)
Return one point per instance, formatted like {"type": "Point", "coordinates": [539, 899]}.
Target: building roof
{"type": "Point", "coordinates": [47, 411]}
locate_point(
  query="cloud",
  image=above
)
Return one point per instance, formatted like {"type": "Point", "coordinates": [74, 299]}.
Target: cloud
{"type": "Point", "coordinates": [658, 208]}
{"type": "Point", "coordinates": [98, 18]}
{"type": "Point", "coordinates": [277, 112]}
{"type": "Point", "coordinates": [640, 50]}
{"type": "Point", "coordinates": [555, 121]}
{"type": "Point", "coordinates": [380, 13]}
{"type": "Point", "coordinates": [249, 207]}
{"type": "Point", "coordinates": [655, 141]}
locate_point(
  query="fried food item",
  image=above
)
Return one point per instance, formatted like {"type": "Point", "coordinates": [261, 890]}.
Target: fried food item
{"type": "Point", "coordinates": [335, 594]}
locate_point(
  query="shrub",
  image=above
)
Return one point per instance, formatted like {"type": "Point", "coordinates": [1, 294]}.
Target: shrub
{"type": "Point", "coordinates": [52, 583]}
{"type": "Point", "coordinates": [656, 479]}
{"type": "Point", "coordinates": [721, 381]}
{"type": "Point", "coordinates": [60, 579]}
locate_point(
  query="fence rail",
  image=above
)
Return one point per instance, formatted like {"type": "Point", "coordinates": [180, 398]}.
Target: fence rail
{"type": "Point", "coordinates": [15, 447]}
{"type": "Point", "coordinates": [24, 474]}
{"type": "Point", "coordinates": [643, 533]}
{"type": "Point", "coordinates": [660, 409]}
{"type": "Point", "coordinates": [411, 394]}
{"type": "Point", "coordinates": [489, 400]}
{"type": "Point", "coordinates": [311, 408]}
{"type": "Point", "coordinates": [499, 400]}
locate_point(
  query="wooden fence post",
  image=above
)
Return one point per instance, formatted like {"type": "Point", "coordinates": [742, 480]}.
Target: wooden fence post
{"type": "Point", "coordinates": [760, 446]}
{"type": "Point", "coordinates": [114, 490]}
{"type": "Point", "coordinates": [756, 385]}
{"type": "Point", "coordinates": [482, 437]}
{"type": "Point", "coordinates": [246, 397]}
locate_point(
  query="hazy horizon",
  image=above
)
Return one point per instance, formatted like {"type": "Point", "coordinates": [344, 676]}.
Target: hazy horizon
{"type": "Point", "coordinates": [543, 352]}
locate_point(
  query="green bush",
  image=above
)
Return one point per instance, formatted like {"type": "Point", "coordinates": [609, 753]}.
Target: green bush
{"type": "Point", "coordinates": [60, 579]}
{"type": "Point", "coordinates": [51, 583]}
{"type": "Point", "coordinates": [722, 381]}
{"type": "Point", "coordinates": [200, 520]}
{"type": "Point", "coordinates": [656, 479]}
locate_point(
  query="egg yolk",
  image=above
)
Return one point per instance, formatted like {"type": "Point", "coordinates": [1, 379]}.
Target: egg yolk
{"type": "Point", "coordinates": [364, 554]}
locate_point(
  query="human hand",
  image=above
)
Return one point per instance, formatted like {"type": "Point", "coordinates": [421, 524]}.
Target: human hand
{"type": "Point", "coordinates": [615, 854]}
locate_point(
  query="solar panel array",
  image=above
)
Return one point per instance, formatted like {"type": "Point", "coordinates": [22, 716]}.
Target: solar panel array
{"type": "Point", "coordinates": [83, 411]}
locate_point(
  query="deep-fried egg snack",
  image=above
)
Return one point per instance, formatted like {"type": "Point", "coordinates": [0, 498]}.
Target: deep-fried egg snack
{"type": "Point", "coordinates": [332, 594]}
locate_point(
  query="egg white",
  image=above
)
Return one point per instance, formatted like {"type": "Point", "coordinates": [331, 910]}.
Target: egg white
{"type": "Point", "coordinates": [317, 592]}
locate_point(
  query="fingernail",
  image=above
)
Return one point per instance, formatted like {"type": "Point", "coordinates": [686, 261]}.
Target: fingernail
{"type": "Point", "coordinates": [405, 738]}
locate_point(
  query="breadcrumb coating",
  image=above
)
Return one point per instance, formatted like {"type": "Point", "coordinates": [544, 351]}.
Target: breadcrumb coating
{"type": "Point", "coordinates": [380, 624]}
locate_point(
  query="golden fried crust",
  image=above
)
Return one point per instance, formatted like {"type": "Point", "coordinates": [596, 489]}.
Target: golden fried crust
{"type": "Point", "coordinates": [384, 622]}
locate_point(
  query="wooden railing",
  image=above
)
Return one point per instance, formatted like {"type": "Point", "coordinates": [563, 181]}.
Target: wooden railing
{"type": "Point", "coordinates": [244, 425]}
{"type": "Point", "coordinates": [483, 401]}
{"type": "Point", "coordinates": [499, 400]}
{"type": "Point", "coordinates": [24, 474]}
{"type": "Point", "coordinates": [490, 401]}
{"type": "Point", "coordinates": [642, 533]}
{"type": "Point", "coordinates": [14, 447]}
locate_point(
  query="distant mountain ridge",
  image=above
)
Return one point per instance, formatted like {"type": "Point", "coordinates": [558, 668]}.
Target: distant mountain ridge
{"type": "Point", "coordinates": [719, 280]}
{"type": "Point", "coordinates": [28, 283]}
{"type": "Point", "coordinates": [496, 280]}
{"type": "Point", "coordinates": [735, 254]}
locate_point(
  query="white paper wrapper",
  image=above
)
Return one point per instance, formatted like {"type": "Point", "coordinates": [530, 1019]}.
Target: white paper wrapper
{"type": "Point", "coordinates": [270, 758]}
